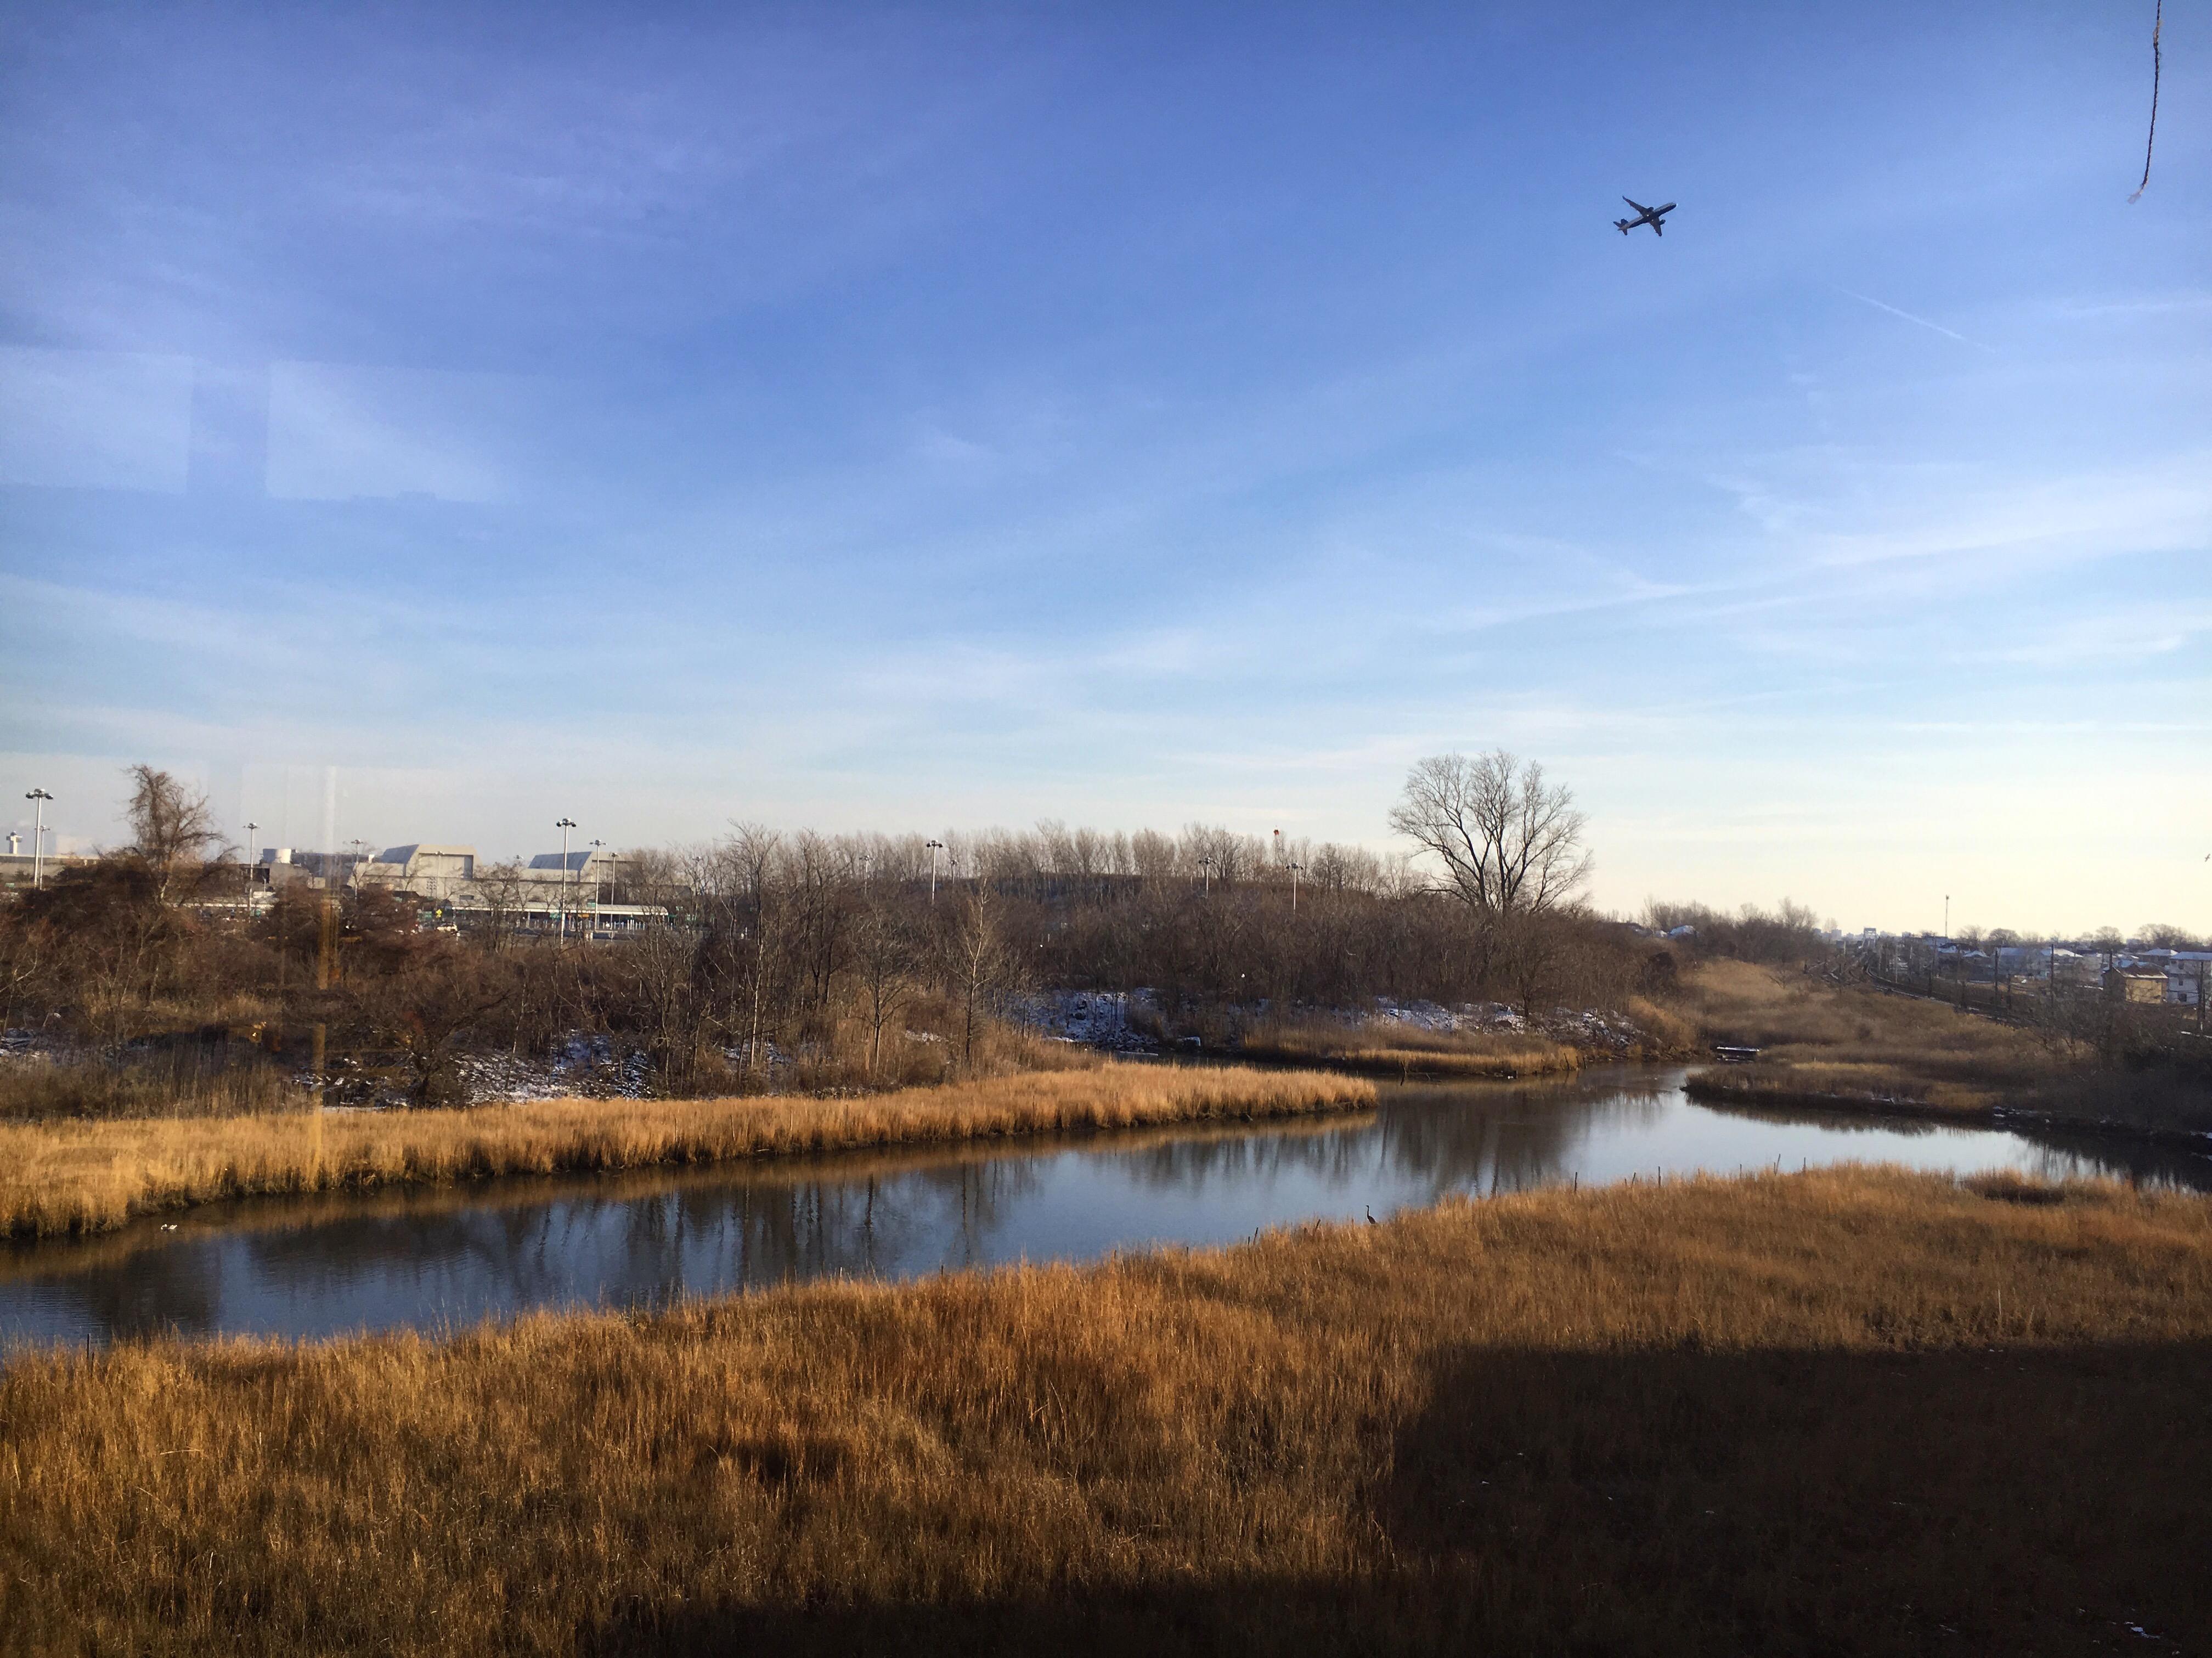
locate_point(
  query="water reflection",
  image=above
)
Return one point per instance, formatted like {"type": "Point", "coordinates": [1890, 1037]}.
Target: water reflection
{"type": "Point", "coordinates": [439, 1259]}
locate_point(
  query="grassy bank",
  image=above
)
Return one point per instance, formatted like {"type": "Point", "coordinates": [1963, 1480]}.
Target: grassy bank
{"type": "Point", "coordinates": [1849, 1411]}
{"type": "Point", "coordinates": [1406, 1051]}
{"type": "Point", "coordinates": [1845, 1049]}
{"type": "Point", "coordinates": [1843, 1085]}
{"type": "Point", "coordinates": [82, 1177]}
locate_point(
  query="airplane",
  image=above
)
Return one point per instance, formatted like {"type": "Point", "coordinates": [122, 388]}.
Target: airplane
{"type": "Point", "coordinates": [1650, 216]}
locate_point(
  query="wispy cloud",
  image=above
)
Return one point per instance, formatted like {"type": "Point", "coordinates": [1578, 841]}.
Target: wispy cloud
{"type": "Point", "coordinates": [1937, 327]}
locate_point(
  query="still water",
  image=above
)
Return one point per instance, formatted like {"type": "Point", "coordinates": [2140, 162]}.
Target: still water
{"type": "Point", "coordinates": [436, 1259]}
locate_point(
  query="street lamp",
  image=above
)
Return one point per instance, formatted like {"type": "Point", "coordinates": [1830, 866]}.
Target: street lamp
{"type": "Point", "coordinates": [1295, 870]}
{"type": "Point", "coordinates": [250, 827]}
{"type": "Point", "coordinates": [39, 797]}
{"type": "Point", "coordinates": [1206, 865]}
{"type": "Point", "coordinates": [596, 883]}
{"type": "Point", "coordinates": [935, 847]}
{"type": "Point", "coordinates": [564, 826]}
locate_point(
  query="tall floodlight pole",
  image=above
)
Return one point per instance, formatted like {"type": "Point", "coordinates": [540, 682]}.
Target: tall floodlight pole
{"type": "Point", "coordinates": [596, 883]}
{"type": "Point", "coordinates": [935, 847]}
{"type": "Point", "coordinates": [1296, 870]}
{"type": "Point", "coordinates": [250, 844]}
{"type": "Point", "coordinates": [38, 798]}
{"type": "Point", "coordinates": [1205, 871]}
{"type": "Point", "coordinates": [564, 826]}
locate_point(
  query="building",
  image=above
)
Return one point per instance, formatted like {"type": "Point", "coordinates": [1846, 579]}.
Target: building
{"type": "Point", "coordinates": [427, 871]}
{"type": "Point", "coordinates": [578, 876]}
{"type": "Point", "coordinates": [281, 866]}
{"type": "Point", "coordinates": [2186, 972]}
{"type": "Point", "coordinates": [2135, 984]}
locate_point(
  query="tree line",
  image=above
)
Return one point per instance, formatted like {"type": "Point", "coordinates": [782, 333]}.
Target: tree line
{"type": "Point", "coordinates": [842, 959]}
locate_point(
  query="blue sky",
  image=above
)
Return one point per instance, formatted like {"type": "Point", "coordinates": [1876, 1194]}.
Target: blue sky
{"type": "Point", "coordinates": [921, 417]}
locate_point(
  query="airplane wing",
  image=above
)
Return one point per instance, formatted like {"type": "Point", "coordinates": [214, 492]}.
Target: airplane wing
{"type": "Point", "coordinates": [1638, 205]}
{"type": "Point", "coordinates": [1658, 229]}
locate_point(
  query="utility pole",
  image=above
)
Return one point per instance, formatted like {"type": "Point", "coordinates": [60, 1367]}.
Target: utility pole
{"type": "Point", "coordinates": [39, 798]}
{"type": "Point", "coordinates": [564, 826]}
{"type": "Point", "coordinates": [935, 847]}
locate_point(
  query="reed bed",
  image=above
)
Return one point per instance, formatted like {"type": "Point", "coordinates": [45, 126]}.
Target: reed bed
{"type": "Point", "coordinates": [1853, 1049]}
{"type": "Point", "coordinates": [1853, 1410]}
{"type": "Point", "coordinates": [69, 1176]}
{"type": "Point", "coordinates": [1406, 1051]}
{"type": "Point", "coordinates": [1843, 1085]}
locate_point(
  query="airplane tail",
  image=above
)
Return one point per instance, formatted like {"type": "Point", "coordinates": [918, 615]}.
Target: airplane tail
{"type": "Point", "coordinates": [1623, 226]}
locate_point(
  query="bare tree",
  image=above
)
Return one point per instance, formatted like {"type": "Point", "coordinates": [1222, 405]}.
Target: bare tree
{"type": "Point", "coordinates": [1511, 843]}
{"type": "Point", "coordinates": [171, 829]}
{"type": "Point", "coordinates": [753, 850]}
{"type": "Point", "coordinates": [499, 888]}
{"type": "Point", "coordinates": [884, 964]}
{"type": "Point", "coordinates": [978, 962]}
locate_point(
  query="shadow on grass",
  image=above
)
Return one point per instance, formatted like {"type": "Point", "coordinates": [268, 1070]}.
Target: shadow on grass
{"type": "Point", "coordinates": [2021, 1500]}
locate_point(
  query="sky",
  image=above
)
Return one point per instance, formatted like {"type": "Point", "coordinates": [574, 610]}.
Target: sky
{"type": "Point", "coordinates": [905, 418]}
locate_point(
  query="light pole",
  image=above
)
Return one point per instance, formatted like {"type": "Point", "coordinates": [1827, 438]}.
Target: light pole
{"type": "Point", "coordinates": [564, 826]}
{"type": "Point", "coordinates": [935, 847]}
{"type": "Point", "coordinates": [596, 899]}
{"type": "Point", "coordinates": [1295, 870]}
{"type": "Point", "coordinates": [1206, 866]}
{"type": "Point", "coordinates": [250, 827]}
{"type": "Point", "coordinates": [39, 798]}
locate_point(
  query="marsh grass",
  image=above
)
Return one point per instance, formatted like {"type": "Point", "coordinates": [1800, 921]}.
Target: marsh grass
{"type": "Point", "coordinates": [1828, 1045]}
{"type": "Point", "coordinates": [188, 1081]}
{"type": "Point", "coordinates": [1406, 1051]}
{"type": "Point", "coordinates": [1832, 1083]}
{"type": "Point", "coordinates": [1853, 1410]}
{"type": "Point", "coordinates": [61, 1177]}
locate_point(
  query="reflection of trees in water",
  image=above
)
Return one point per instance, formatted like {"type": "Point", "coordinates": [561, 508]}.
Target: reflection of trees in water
{"type": "Point", "coordinates": [1481, 1138]}
{"type": "Point", "coordinates": [652, 1247]}
{"type": "Point", "coordinates": [2084, 1156]}
{"type": "Point", "coordinates": [152, 1292]}
{"type": "Point", "coordinates": [2058, 1156]}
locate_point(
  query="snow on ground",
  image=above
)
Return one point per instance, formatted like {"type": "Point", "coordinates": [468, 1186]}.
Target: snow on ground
{"type": "Point", "coordinates": [1103, 1018]}
{"type": "Point", "coordinates": [1122, 1021]}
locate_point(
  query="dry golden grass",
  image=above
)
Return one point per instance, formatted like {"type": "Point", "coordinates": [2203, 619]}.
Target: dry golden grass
{"type": "Point", "coordinates": [1851, 1411]}
{"type": "Point", "coordinates": [1406, 1051]}
{"type": "Point", "coordinates": [1843, 1084]}
{"type": "Point", "coordinates": [1852, 1048]}
{"type": "Point", "coordinates": [82, 1177]}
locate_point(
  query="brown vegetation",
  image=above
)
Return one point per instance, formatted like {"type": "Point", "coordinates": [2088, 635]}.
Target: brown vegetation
{"type": "Point", "coordinates": [785, 963]}
{"type": "Point", "coordinates": [1847, 1046]}
{"type": "Point", "coordinates": [83, 1176]}
{"type": "Point", "coordinates": [1849, 1411]}
{"type": "Point", "coordinates": [1406, 1051]}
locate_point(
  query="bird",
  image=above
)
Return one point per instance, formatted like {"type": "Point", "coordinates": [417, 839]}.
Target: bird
{"type": "Point", "coordinates": [1371, 1215]}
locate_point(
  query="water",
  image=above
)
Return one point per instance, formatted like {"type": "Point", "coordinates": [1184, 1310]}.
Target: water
{"type": "Point", "coordinates": [438, 1259]}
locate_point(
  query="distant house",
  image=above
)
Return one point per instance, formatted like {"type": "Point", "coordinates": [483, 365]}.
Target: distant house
{"type": "Point", "coordinates": [2129, 984]}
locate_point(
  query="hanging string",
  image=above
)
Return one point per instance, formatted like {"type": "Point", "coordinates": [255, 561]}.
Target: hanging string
{"type": "Point", "coordinates": [2158, 23]}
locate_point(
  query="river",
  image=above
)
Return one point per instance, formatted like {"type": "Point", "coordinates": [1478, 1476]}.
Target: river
{"type": "Point", "coordinates": [442, 1257]}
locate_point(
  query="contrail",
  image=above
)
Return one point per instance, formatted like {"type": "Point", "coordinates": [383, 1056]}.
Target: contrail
{"type": "Point", "coordinates": [1948, 333]}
